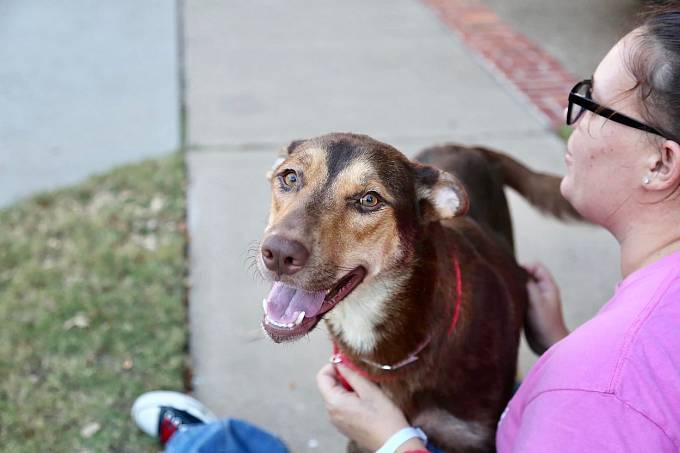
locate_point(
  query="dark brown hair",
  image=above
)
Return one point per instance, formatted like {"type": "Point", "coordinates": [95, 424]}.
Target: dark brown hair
{"type": "Point", "coordinates": [655, 64]}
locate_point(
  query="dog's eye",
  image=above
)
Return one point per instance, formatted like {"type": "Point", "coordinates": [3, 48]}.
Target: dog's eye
{"type": "Point", "coordinates": [370, 200]}
{"type": "Point", "coordinates": [290, 178]}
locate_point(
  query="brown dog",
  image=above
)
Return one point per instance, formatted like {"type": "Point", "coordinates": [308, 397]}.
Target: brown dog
{"type": "Point", "coordinates": [417, 297]}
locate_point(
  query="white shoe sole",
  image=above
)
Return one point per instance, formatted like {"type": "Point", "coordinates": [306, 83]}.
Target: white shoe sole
{"type": "Point", "coordinates": [146, 409]}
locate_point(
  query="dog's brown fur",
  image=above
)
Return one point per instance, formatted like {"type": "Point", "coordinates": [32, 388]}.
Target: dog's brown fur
{"type": "Point", "coordinates": [458, 388]}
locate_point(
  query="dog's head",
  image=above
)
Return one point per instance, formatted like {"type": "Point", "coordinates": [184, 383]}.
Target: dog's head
{"type": "Point", "coordinates": [346, 210]}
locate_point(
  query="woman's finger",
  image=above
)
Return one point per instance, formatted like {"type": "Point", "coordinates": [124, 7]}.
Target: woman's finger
{"type": "Point", "coordinates": [530, 268]}
{"type": "Point", "coordinates": [327, 370]}
{"type": "Point", "coordinates": [329, 386]}
{"type": "Point", "coordinates": [534, 292]}
{"type": "Point", "coordinates": [360, 384]}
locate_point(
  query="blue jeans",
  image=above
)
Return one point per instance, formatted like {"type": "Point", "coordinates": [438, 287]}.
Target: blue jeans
{"type": "Point", "coordinates": [224, 436]}
{"type": "Point", "coordinates": [229, 436]}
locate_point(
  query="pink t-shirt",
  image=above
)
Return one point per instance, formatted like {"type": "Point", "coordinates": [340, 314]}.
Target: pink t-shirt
{"type": "Point", "coordinates": [612, 385]}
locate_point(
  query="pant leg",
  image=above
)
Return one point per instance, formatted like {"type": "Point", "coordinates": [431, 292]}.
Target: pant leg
{"type": "Point", "coordinates": [432, 449]}
{"type": "Point", "coordinates": [224, 436]}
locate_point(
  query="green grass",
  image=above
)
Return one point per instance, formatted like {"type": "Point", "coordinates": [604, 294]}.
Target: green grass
{"type": "Point", "coordinates": [91, 308]}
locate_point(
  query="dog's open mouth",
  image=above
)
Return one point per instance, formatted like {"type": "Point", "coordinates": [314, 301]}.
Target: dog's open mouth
{"type": "Point", "coordinates": [292, 312]}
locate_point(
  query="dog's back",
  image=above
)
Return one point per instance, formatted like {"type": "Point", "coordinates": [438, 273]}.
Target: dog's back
{"type": "Point", "coordinates": [485, 172]}
{"type": "Point", "coordinates": [483, 181]}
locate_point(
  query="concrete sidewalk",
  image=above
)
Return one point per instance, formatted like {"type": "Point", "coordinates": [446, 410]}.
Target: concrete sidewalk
{"type": "Point", "coordinates": [260, 74]}
{"type": "Point", "coordinates": [84, 86]}
{"type": "Point", "coordinates": [578, 33]}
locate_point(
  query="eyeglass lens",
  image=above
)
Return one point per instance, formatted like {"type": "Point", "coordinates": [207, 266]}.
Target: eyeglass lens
{"type": "Point", "coordinates": [576, 110]}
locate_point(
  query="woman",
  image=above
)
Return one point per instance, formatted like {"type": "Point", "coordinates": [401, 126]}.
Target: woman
{"type": "Point", "coordinates": [613, 384]}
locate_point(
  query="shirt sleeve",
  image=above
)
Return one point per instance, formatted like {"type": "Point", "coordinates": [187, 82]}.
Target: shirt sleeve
{"type": "Point", "coordinates": [583, 421]}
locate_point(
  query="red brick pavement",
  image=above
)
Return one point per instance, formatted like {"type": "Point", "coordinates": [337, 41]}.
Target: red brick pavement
{"type": "Point", "coordinates": [511, 56]}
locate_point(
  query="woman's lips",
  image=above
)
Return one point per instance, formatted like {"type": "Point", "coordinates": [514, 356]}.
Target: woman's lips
{"type": "Point", "coordinates": [568, 159]}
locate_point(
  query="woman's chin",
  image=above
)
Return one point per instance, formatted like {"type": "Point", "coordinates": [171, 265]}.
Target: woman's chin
{"type": "Point", "coordinates": [567, 191]}
{"type": "Point", "coordinates": [565, 188]}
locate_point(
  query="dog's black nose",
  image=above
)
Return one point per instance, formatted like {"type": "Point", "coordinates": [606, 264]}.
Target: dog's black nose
{"type": "Point", "coordinates": [284, 256]}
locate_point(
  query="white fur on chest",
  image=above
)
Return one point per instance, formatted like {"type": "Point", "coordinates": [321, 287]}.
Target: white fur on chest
{"type": "Point", "coordinates": [355, 319]}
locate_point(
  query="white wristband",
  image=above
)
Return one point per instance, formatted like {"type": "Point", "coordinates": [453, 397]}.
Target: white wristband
{"type": "Point", "coordinates": [400, 437]}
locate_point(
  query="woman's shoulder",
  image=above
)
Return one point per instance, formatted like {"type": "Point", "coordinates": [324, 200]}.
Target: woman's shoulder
{"type": "Point", "coordinates": [596, 355]}
{"type": "Point", "coordinates": [654, 344]}
{"type": "Point", "coordinates": [586, 359]}
{"type": "Point", "coordinates": [646, 376]}
{"type": "Point", "coordinates": [628, 349]}
{"type": "Point", "coordinates": [653, 341]}
{"type": "Point", "coordinates": [627, 356]}
{"type": "Point", "coordinates": [651, 310]}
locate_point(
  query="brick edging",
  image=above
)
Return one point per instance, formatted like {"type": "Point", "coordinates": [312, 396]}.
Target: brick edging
{"type": "Point", "coordinates": [512, 56]}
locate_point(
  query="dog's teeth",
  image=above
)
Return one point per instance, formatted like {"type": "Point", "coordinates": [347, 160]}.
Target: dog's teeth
{"type": "Point", "coordinates": [279, 324]}
{"type": "Point", "coordinates": [289, 325]}
{"type": "Point", "coordinates": [264, 305]}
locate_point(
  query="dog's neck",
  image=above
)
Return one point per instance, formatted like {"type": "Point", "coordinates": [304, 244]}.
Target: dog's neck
{"type": "Point", "coordinates": [386, 319]}
{"type": "Point", "coordinates": [357, 321]}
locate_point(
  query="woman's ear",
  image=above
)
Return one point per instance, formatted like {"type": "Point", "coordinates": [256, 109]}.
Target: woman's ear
{"type": "Point", "coordinates": [440, 194]}
{"type": "Point", "coordinates": [666, 166]}
{"type": "Point", "coordinates": [282, 155]}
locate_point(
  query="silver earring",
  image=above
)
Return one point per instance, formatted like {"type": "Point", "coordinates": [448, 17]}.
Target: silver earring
{"type": "Point", "coordinates": [646, 180]}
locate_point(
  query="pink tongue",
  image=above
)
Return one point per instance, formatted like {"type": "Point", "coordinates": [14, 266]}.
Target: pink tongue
{"type": "Point", "coordinates": [285, 303]}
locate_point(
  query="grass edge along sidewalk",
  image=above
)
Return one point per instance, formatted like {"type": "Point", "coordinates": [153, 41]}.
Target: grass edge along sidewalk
{"type": "Point", "coordinates": [91, 308]}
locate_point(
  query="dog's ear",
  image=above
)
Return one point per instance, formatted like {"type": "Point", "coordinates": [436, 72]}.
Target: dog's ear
{"type": "Point", "coordinates": [440, 194]}
{"type": "Point", "coordinates": [282, 155]}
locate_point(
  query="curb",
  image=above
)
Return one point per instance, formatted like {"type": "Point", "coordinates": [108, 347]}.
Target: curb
{"type": "Point", "coordinates": [512, 57]}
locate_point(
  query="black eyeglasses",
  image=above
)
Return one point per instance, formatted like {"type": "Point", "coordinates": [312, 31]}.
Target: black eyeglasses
{"type": "Point", "coordinates": [581, 99]}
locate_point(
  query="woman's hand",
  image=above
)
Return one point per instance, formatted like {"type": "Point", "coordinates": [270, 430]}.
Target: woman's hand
{"type": "Point", "coordinates": [365, 415]}
{"type": "Point", "coordinates": [545, 324]}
